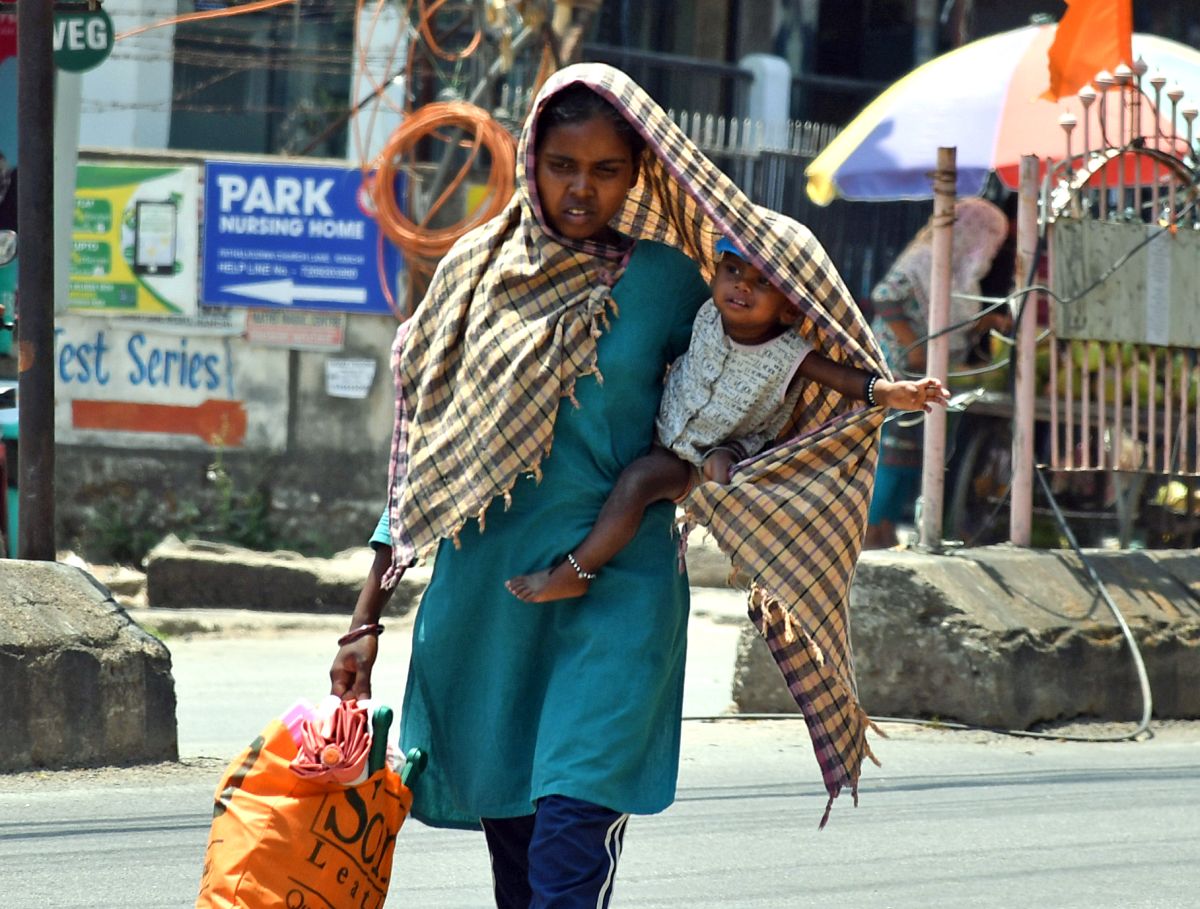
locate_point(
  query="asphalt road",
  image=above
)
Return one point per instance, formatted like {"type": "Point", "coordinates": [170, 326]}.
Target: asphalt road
{"type": "Point", "coordinates": [954, 819]}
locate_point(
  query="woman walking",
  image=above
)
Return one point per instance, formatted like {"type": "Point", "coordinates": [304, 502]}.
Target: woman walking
{"type": "Point", "coordinates": [528, 378]}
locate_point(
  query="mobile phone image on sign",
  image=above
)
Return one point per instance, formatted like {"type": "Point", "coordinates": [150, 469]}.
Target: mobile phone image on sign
{"type": "Point", "coordinates": [154, 238]}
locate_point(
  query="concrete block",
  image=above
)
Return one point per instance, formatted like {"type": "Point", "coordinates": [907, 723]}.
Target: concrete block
{"type": "Point", "coordinates": [198, 574]}
{"type": "Point", "coordinates": [82, 684]}
{"type": "Point", "coordinates": [1010, 638]}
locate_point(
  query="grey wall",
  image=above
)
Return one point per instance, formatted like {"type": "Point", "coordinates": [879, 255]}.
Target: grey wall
{"type": "Point", "coordinates": [326, 482]}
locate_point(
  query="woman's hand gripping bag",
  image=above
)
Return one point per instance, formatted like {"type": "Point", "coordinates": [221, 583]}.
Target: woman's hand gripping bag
{"type": "Point", "coordinates": [283, 838]}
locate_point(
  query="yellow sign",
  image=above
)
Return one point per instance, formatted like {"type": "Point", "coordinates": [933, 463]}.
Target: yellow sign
{"type": "Point", "coordinates": [134, 240]}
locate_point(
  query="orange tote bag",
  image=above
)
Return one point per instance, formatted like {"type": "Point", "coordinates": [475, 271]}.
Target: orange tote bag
{"type": "Point", "coordinates": [280, 840]}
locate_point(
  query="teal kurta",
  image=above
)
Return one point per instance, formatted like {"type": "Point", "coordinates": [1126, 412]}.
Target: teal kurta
{"type": "Point", "coordinates": [514, 701]}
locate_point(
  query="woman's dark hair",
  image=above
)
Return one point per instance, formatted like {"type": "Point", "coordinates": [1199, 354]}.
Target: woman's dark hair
{"type": "Point", "coordinates": [577, 104]}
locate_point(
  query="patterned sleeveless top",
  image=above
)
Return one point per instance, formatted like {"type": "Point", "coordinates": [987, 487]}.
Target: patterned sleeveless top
{"type": "Point", "coordinates": [720, 391]}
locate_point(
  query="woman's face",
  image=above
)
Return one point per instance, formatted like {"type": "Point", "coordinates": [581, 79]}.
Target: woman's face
{"type": "Point", "coordinates": [583, 173]}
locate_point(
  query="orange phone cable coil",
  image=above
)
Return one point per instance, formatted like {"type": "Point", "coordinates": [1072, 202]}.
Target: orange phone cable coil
{"type": "Point", "coordinates": [424, 245]}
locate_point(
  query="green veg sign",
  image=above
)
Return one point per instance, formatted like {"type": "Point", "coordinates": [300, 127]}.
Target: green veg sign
{"type": "Point", "coordinates": [83, 39]}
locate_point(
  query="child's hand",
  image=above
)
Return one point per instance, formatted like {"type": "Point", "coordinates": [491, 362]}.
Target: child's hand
{"type": "Point", "coordinates": [717, 465]}
{"type": "Point", "coordinates": [908, 395]}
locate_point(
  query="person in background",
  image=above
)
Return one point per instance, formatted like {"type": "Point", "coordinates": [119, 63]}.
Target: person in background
{"type": "Point", "coordinates": [8, 221]}
{"type": "Point", "coordinates": [901, 306]}
{"type": "Point", "coordinates": [8, 195]}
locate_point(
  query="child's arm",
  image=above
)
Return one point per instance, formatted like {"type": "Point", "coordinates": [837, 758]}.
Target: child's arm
{"type": "Point", "coordinates": [920, 394]}
{"type": "Point", "coordinates": [719, 462]}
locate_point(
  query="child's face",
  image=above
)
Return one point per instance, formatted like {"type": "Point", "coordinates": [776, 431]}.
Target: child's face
{"type": "Point", "coordinates": [752, 309]}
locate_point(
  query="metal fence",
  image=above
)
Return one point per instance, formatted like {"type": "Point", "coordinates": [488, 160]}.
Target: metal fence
{"type": "Point", "coordinates": [678, 80]}
{"type": "Point", "coordinates": [1122, 358]}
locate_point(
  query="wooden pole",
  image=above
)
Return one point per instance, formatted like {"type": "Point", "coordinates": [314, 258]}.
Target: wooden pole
{"type": "Point", "coordinates": [1021, 500]}
{"type": "Point", "coordinates": [937, 359]}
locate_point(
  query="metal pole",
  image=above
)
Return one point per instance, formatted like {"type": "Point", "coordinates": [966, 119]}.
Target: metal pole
{"type": "Point", "coordinates": [1021, 502]}
{"type": "Point", "coordinates": [35, 331]}
{"type": "Point", "coordinates": [1103, 81]}
{"type": "Point", "coordinates": [1123, 74]}
{"type": "Point", "coordinates": [933, 470]}
{"type": "Point", "coordinates": [925, 31]}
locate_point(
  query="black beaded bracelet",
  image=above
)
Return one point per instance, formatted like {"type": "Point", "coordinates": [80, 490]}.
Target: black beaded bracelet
{"type": "Point", "coordinates": [360, 632]}
{"type": "Point", "coordinates": [870, 391]}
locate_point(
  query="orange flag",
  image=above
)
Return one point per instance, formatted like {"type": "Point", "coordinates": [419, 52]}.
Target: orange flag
{"type": "Point", "coordinates": [1093, 35]}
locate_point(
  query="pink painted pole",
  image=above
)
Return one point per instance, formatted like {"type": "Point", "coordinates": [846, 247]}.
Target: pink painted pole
{"type": "Point", "coordinates": [937, 358]}
{"type": "Point", "coordinates": [1151, 407]}
{"type": "Point", "coordinates": [1122, 75]}
{"type": "Point", "coordinates": [1087, 97]}
{"type": "Point", "coordinates": [1055, 353]}
{"type": "Point", "coordinates": [1158, 80]}
{"type": "Point", "coordinates": [1101, 402]}
{"type": "Point", "coordinates": [1118, 407]}
{"type": "Point", "coordinates": [1085, 406]}
{"type": "Point", "coordinates": [1175, 94]}
{"type": "Point", "coordinates": [1181, 459]}
{"type": "Point", "coordinates": [1168, 416]}
{"type": "Point", "coordinates": [1021, 501]}
{"type": "Point", "coordinates": [1069, 405]}
{"type": "Point", "coordinates": [1195, 463]}
{"type": "Point", "coordinates": [1135, 418]}
{"type": "Point", "coordinates": [1104, 81]}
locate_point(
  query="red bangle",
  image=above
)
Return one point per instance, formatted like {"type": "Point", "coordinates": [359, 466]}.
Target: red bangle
{"type": "Point", "coordinates": [360, 632]}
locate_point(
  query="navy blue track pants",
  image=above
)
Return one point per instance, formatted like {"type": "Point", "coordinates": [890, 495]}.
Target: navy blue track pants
{"type": "Point", "coordinates": [563, 856]}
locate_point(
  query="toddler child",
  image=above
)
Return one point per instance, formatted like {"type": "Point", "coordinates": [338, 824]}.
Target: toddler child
{"type": "Point", "coordinates": [726, 398]}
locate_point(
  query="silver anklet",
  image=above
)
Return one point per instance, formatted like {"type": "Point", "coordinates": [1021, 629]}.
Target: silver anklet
{"type": "Point", "coordinates": [584, 575]}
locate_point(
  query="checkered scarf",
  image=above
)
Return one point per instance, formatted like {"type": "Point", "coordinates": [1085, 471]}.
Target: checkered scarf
{"type": "Point", "coordinates": [509, 325]}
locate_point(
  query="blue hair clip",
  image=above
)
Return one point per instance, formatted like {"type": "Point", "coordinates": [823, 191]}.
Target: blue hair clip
{"type": "Point", "coordinates": [725, 245]}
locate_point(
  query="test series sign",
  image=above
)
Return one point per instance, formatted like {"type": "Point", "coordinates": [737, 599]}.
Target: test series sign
{"type": "Point", "coordinates": [293, 237]}
{"type": "Point", "coordinates": [122, 384]}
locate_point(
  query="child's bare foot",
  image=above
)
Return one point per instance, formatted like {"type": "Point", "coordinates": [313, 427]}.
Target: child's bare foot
{"type": "Point", "coordinates": [558, 583]}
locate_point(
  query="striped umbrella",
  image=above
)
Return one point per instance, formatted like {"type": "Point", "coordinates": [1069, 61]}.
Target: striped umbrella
{"type": "Point", "coordinates": [984, 99]}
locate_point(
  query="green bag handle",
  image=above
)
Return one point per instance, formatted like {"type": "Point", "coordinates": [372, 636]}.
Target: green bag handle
{"type": "Point", "coordinates": [381, 722]}
{"type": "Point", "coordinates": [414, 763]}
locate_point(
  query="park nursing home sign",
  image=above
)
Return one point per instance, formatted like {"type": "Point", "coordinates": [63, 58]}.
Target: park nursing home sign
{"type": "Point", "coordinates": [292, 236]}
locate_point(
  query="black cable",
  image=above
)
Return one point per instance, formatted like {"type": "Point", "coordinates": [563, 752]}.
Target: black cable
{"type": "Point", "coordinates": [1139, 664]}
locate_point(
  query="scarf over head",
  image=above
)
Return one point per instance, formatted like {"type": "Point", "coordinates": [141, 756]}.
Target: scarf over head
{"type": "Point", "coordinates": [980, 228]}
{"type": "Point", "coordinates": [510, 323]}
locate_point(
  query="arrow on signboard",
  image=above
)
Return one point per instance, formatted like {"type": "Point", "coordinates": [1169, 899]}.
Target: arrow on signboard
{"type": "Point", "coordinates": [286, 292]}
{"type": "Point", "coordinates": [216, 422]}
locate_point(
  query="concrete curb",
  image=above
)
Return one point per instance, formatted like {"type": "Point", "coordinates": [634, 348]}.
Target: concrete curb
{"type": "Point", "coordinates": [993, 637]}
{"type": "Point", "coordinates": [83, 685]}
{"type": "Point", "coordinates": [1010, 638]}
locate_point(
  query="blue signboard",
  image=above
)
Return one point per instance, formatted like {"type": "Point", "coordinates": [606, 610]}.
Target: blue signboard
{"type": "Point", "coordinates": [292, 236]}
